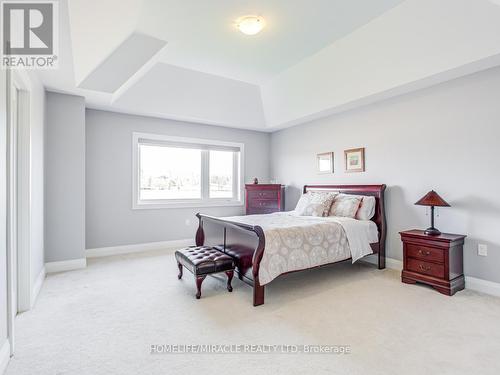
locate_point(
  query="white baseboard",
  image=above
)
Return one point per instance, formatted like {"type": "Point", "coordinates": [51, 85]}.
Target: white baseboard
{"type": "Point", "coordinates": [137, 248]}
{"type": "Point", "coordinates": [4, 356]}
{"type": "Point", "coordinates": [472, 283]}
{"type": "Point", "coordinates": [393, 264]}
{"type": "Point", "coordinates": [483, 286]}
{"type": "Point", "coordinates": [66, 265]}
{"type": "Point", "coordinates": [35, 290]}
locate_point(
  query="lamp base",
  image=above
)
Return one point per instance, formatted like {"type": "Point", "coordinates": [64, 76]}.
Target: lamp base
{"type": "Point", "coordinates": [432, 231]}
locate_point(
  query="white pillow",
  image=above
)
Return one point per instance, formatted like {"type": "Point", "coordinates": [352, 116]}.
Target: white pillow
{"type": "Point", "coordinates": [315, 203]}
{"type": "Point", "coordinates": [345, 205]}
{"type": "Point", "coordinates": [302, 203]}
{"type": "Point", "coordinates": [366, 208]}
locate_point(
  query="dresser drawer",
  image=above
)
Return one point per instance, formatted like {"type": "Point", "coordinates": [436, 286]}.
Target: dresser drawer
{"type": "Point", "coordinates": [425, 253]}
{"type": "Point", "coordinates": [263, 194]}
{"type": "Point", "coordinates": [264, 199]}
{"type": "Point", "coordinates": [425, 268]}
{"type": "Point", "coordinates": [263, 203]}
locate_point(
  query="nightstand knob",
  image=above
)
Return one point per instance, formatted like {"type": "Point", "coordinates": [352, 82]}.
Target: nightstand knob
{"type": "Point", "coordinates": [426, 253]}
{"type": "Point", "coordinates": [423, 268]}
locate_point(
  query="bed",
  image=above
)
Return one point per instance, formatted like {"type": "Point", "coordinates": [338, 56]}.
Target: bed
{"type": "Point", "coordinates": [295, 243]}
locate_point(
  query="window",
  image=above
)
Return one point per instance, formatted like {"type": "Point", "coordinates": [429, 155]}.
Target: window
{"type": "Point", "coordinates": [221, 165]}
{"type": "Point", "coordinates": [169, 172]}
{"type": "Point", "coordinates": [185, 172]}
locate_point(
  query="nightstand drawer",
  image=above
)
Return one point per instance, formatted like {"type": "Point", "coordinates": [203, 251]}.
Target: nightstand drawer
{"type": "Point", "coordinates": [426, 268]}
{"type": "Point", "coordinates": [425, 253]}
{"type": "Point", "coordinates": [263, 194]}
{"type": "Point", "coordinates": [433, 260]}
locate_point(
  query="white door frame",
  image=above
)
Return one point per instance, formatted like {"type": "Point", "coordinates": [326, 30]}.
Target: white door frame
{"type": "Point", "coordinates": [18, 199]}
{"type": "Point", "coordinates": [11, 218]}
{"type": "Point", "coordinates": [23, 271]}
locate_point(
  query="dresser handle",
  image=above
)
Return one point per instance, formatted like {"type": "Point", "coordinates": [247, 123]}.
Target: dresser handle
{"type": "Point", "coordinates": [426, 253]}
{"type": "Point", "coordinates": [423, 268]}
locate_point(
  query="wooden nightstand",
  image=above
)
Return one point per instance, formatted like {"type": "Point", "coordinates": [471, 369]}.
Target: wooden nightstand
{"type": "Point", "coordinates": [433, 260]}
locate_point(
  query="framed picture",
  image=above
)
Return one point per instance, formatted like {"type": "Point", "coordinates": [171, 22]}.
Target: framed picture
{"type": "Point", "coordinates": [325, 162]}
{"type": "Point", "coordinates": [355, 160]}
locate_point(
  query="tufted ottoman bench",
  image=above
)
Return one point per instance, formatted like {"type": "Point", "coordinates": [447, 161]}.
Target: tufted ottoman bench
{"type": "Point", "coordinates": [203, 261]}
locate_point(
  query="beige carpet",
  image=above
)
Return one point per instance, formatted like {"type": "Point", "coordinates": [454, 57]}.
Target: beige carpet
{"type": "Point", "coordinates": [104, 319]}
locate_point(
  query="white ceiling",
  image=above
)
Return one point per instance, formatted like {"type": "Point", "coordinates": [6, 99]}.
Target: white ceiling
{"type": "Point", "coordinates": [121, 64]}
{"type": "Point", "coordinates": [202, 34]}
{"type": "Point", "coordinates": [185, 59]}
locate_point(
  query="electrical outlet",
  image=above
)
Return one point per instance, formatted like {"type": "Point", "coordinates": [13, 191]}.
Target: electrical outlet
{"type": "Point", "coordinates": [482, 250]}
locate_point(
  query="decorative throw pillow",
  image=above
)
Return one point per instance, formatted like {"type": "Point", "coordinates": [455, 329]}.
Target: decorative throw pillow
{"type": "Point", "coordinates": [324, 199]}
{"type": "Point", "coordinates": [318, 205]}
{"type": "Point", "coordinates": [366, 208]}
{"type": "Point", "coordinates": [345, 205]}
{"type": "Point", "coordinates": [330, 199]}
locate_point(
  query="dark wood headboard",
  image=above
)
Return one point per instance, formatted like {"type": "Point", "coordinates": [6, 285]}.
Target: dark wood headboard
{"type": "Point", "coordinates": [376, 191]}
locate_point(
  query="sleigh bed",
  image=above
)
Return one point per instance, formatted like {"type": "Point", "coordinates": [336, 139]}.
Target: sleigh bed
{"type": "Point", "coordinates": [246, 242]}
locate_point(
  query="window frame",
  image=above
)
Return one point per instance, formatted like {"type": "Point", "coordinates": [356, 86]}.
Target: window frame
{"type": "Point", "coordinates": [205, 201]}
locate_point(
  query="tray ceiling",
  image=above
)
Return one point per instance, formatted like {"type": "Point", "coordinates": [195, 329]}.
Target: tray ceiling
{"type": "Point", "coordinates": [185, 59]}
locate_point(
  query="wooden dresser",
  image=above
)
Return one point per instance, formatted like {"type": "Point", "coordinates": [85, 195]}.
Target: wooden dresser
{"type": "Point", "coordinates": [433, 260]}
{"type": "Point", "coordinates": [264, 198]}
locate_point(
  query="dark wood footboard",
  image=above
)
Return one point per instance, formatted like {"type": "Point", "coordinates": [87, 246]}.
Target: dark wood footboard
{"type": "Point", "coordinates": [246, 243]}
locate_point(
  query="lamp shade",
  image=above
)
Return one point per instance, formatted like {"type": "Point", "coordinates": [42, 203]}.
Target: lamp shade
{"type": "Point", "coordinates": [432, 199]}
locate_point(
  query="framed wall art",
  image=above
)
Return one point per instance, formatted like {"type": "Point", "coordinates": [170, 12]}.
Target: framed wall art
{"type": "Point", "coordinates": [354, 160]}
{"type": "Point", "coordinates": [325, 162]}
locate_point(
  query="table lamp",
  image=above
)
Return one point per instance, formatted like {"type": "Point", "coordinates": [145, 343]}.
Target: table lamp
{"type": "Point", "coordinates": [432, 199]}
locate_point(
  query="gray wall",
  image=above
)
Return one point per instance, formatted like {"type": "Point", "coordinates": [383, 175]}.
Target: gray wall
{"type": "Point", "coordinates": [110, 220]}
{"type": "Point", "coordinates": [443, 138]}
{"type": "Point", "coordinates": [65, 178]}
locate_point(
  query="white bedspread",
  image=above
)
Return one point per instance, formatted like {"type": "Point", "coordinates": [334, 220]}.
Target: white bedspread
{"type": "Point", "coordinates": [297, 242]}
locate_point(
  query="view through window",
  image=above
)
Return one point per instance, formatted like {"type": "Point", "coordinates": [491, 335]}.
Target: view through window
{"type": "Point", "coordinates": [221, 174]}
{"type": "Point", "coordinates": [177, 172]}
{"type": "Point", "coordinates": [170, 173]}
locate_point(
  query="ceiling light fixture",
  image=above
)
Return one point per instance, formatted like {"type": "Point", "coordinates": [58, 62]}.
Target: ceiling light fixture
{"type": "Point", "coordinates": [250, 25]}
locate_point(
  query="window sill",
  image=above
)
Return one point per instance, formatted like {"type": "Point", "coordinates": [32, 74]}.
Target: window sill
{"type": "Point", "coordinates": [157, 206]}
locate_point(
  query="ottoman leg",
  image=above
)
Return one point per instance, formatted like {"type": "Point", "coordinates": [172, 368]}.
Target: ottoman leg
{"type": "Point", "coordinates": [199, 281]}
{"type": "Point", "coordinates": [230, 275]}
{"type": "Point", "coordinates": [179, 276]}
